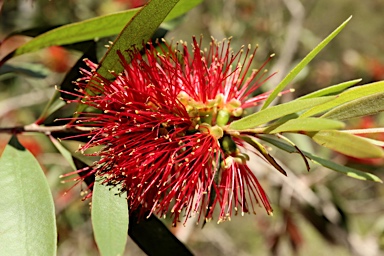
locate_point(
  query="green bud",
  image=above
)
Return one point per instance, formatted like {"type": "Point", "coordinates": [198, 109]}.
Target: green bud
{"type": "Point", "coordinates": [222, 117]}
{"type": "Point", "coordinates": [242, 157]}
{"type": "Point", "coordinates": [237, 112]}
{"type": "Point", "coordinates": [227, 162]}
{"type": "Point", "coordinates": [228, 145]}
{"type": "Point", "coordinates": [216, 131]}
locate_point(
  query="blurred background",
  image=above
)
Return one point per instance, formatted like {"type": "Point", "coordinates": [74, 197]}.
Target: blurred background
{"type": "Point", "coordinates": [315, 213]}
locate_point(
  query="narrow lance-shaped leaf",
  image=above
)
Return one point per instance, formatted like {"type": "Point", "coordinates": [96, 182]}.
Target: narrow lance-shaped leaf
{"type": "Point", "coordinates": [272, 113]}
{"type": "Point", "coordinates": [153, 237]}
{"type": "Point", "coordinates": [109, 219]}
{"type": "Point", "coordinates": [351, 172]}
{"type": "Point", "coordinates": [54, 104]}
{"type": "Point", "coordinates": [98, 27]}
{"type": "Point", "coordinates": [349, 95]}
{"type": "Point", "coordinates": [331, 90]}
{"type": "Point", "coordinates": [297, 148]}
{"type": "Point", "coordinates": [254, 143]}
{"type": "Point", "coordinates": [296, 70]}
{"type": "Point", "coordinates": [27, 214]}
{"type": "Point", "coordinates": [137, 32]}
{"type": "Point", "coordinates": [347, 144]}
{"type": "Point", "coordinates": [364, 106]}
{"type": "Point", "coordinates": [280, 121]}
{"type": "Point", "coordinates": [375, 142]}
{"type": "Point", "coordinates": [308, 124]}
{"type": "Point", "coordinates": [64, 152]}
{"type": "Point", "coordinates": [150, 233]}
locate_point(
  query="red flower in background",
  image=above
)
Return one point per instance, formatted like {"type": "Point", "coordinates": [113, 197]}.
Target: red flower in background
{"type": "Point", "coordinates": [376, 69]}
{"type": "Point", "coordinates": [30, 143]}
{"type": "Point", "coordinates": [58, 59]}
{"type": "Point", "coordinates": [161, 125]}
{"type": "Point", "coordinates": [132, 3]}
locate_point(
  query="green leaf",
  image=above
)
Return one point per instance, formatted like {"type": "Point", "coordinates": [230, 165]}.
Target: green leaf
{"type": "Point", "coordinates": [296, 70]}
{"type": "Point", "coordinates": [375, 142]}
{"type": "Point", "coordinates": [275, 112]}
{"type": "Point", "coordinates": [331, 90]}
{"type": "Point", "coordinates": [308, 124]}
{"type": "Point", "coordinates": [149, 233]}
{"type": "Point", "coordinates": [109, 219]}
{"type": "Point", "coordinates": [349, 95]}
{"type": "Point", "coordinates": [368, 105]}
{"type": "Point", "coordinates": [254, 143]}
{"type": "Point", "coordinates": [155, 12]}
{"type": "Point", "coordinates": [351, 172]}
{"type": "Point", "coordinates": [54, 104]}
{"type": "Point", "coordinates": [347, 144]}
{"type": "Point", "coordinates": [182, 7]}
{"type": "Point", "coordinates": [102, 26]}
{"type": "Point", "coordinates": [27, 214]}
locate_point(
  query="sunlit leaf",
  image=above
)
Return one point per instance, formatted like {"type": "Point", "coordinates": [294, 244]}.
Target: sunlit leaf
{"type": "Point", "coordinates": [364, 106]}
{"type": "Point", "coordinates": [375, 142]}
{"type": "Point", "coordinates": [99, 27]}
{"type": "Point", "coordinates": [308, 124]}
{"type": "Point", "coordinates": [296, 70]}
{"type": "Point", "coordinates": [155, 11]}
{"type": "Point", "coordinates": [27, 214]}
{"type": "Point", "coordinates": [351, 172]}
{"type": "Point", "coordinates": [109, 219]}
{"type": "Point", "coordinates": [349, 95]}
{"type": "Point", "coordinates": [347, 144]}
{"type": "Point", "coordinates": [273, 125]}
{"type": "Point", "coordinates": [135, 33]}
{"type": "Point", "coordinates": [331, 90]}
{"type": "Point", "coordinates": [272, 113]}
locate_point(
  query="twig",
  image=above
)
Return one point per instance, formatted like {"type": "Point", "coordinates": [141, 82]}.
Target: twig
{"type": "Point", "coordinates": [44, 129]}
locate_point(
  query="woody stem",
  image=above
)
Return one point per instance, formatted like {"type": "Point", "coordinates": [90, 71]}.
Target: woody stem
{"type": "Point", "coordinates": [43, 129]}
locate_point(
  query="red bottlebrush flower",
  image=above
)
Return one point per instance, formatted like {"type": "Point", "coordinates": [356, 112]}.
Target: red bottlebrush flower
{"type": "Point", "coordinates": [132, 3]}
{"type": "Point", "coordinates": [161, 124]}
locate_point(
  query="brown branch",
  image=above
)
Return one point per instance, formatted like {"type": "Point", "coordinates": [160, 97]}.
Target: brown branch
{"type": "Point", "coordinates": [45, 129]}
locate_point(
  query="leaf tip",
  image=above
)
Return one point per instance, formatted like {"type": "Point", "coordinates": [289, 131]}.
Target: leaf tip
{"type": "Point", "coordinates": [14, 142]}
